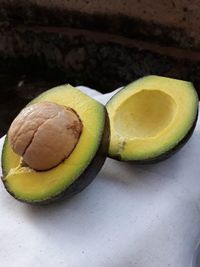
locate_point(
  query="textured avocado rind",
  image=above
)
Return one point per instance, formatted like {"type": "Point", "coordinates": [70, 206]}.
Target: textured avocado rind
{"type": "Point", "coordinates": [4, 173]}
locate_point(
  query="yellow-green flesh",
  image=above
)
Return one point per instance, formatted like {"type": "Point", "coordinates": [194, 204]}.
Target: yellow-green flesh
{"type": "Point", "coordinates": [29, 185]}
{"type": "Point", "coordinates": [150, 117]}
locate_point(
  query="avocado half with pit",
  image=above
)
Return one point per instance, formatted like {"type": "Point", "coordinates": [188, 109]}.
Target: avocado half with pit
{"type": "Point", "coordinates": [75, 172]}
{"type": "Point", "coordinates": [151, 118]}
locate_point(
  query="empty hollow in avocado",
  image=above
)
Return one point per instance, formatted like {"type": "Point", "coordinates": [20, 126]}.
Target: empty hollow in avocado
{"type": "Point", "coordinates": [151, 119]}
{"type": "Point", "coordinates": [76, 171]}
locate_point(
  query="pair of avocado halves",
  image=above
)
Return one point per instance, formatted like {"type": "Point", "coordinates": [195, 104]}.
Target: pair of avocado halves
{"type": "Point", "coordinates": [59, 142]}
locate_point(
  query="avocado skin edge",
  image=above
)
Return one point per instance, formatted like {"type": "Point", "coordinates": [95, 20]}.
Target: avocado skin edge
{"type": "Point", "coordinates": [165, 155]}
{"type": "Point", "coordinates": [85, 178]}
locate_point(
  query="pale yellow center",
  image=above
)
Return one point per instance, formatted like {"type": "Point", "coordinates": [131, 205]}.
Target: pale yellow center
{"type": "Point", "coordinates": [144, 114]}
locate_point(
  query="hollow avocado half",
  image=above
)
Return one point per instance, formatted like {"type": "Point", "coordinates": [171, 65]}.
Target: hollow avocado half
{"type": "Point", "coordinates": [74, 173]}
{"type": "Point", "coordinates": [151, 118]}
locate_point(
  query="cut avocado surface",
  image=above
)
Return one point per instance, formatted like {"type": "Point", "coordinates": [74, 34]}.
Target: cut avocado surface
{"type": "Point", "coordinates": [75, 172]}
{"type": "Point", "coordinates": [151, 118]}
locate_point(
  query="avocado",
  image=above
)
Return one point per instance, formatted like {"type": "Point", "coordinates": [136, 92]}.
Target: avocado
{"type": "Point", "coordinates": [76, 171]}
{"type": "Point", "coordinates": [151, 119]}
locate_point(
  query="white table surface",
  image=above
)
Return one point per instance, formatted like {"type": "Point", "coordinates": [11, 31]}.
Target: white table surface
{"type": "Point", "coordinates": [130, 216]}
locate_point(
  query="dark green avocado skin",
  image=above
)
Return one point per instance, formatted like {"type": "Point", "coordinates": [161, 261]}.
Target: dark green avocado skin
{"type": "Point", "coordinates": [2, 162]}
{"type": "Point", "coordinates": [86, 177]}
{"type": "Point", "coordinates": [168, 153]}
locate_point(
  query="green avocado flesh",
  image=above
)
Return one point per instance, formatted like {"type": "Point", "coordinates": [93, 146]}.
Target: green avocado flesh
{"type": "Point", "coordinates": [150, 118]}
{"type": "Point", "coordinates": [33, 186]}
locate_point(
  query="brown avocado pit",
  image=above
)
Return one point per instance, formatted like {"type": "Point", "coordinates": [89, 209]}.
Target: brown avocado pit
{"type": "Point", "coordinates": [45, 134]}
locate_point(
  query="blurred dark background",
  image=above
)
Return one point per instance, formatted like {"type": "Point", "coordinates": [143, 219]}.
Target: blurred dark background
{"type": "Point", "coordinates": [43, 46]}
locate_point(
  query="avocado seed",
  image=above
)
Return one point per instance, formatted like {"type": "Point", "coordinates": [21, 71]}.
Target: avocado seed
{"type": "Point", "coordinates": [45, 134]}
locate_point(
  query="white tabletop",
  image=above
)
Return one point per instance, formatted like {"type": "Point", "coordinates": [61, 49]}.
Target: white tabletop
{"type": "Point", "coordinates": [130, 216]}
